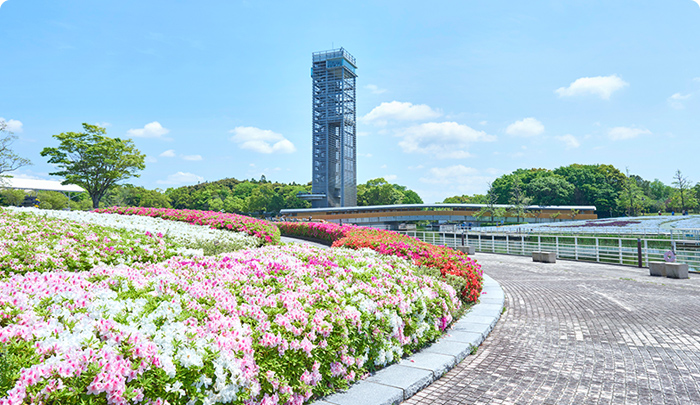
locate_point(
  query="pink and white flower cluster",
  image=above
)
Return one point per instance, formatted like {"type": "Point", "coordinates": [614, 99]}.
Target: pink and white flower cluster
{"type": "Point", "coordinates": [275, 325]}
{"type": "Point", "coordinates": [33, 243]}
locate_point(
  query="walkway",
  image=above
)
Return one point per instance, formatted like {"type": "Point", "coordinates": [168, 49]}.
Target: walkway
{"type": "Point", "coordinates": [579, 333]}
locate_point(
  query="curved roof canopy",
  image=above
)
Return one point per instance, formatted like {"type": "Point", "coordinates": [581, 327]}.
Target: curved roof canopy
{"type": "Point", "coordinates": [39, 185]}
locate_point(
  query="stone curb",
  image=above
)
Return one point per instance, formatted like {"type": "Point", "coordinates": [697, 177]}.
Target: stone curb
{"type": "Point", "coordinates": [398, 382]}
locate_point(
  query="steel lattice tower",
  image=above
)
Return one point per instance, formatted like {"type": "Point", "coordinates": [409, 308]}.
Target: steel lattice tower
{"type": "Point", "coordinates": [334, 129]}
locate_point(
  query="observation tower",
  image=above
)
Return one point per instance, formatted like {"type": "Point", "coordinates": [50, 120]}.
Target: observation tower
{"type": "Point", "coordinates": [334, 182]}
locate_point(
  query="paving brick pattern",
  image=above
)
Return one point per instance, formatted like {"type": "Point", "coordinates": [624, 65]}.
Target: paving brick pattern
{"type": "Point", "coordinates": [581, 333]}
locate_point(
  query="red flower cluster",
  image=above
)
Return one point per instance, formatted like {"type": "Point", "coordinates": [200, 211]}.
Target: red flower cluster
{"type": "Point", "coordinates": [239, 223]}
{"type": "Point", "coordinates": [447, 260]}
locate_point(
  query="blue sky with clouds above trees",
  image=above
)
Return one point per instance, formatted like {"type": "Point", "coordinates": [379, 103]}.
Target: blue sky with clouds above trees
{"type": "Point", "coordinates": [450, 94]}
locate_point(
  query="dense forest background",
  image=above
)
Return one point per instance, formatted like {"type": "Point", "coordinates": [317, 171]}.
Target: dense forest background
{"type": "Point", "coordinates": [612, 192]}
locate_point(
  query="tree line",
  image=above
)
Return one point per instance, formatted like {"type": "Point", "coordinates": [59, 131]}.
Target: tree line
{"type": "Point", "coordinates": [99, 163]}
{"type": "Point", "coordinates": [612, 192]}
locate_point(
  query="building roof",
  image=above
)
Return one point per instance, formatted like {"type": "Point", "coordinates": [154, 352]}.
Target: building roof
{"type": "Point", "coordinates": [40, 185]}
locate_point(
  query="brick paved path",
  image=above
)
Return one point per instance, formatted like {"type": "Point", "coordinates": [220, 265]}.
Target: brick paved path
{"type": "Point", "coordinates": [578, 333]}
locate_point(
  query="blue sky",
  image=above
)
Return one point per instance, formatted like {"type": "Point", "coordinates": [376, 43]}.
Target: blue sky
{"type": "Point", "coordinates": [451, 94]}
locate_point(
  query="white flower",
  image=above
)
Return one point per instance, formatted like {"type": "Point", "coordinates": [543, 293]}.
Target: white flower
{"type": "Point", "coordinates": [189, 357]}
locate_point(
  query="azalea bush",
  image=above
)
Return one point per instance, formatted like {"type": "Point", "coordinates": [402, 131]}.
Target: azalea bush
{"type": "Point", "coordinates": [30, 243]}
{"type": "Point", "coordinates": [449, 262]}
{"type": "Point", "coordinates": [195, 239]}
{"type": "Point", "coordinates": [264, 230]}
{"type": "Point", "coordinates": [275, 325]}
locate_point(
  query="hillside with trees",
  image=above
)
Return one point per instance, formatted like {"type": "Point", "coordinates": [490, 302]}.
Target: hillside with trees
{"type": "Point", "coordinates": [251, 197]}
{"type": "Point", "coordinates": [612, 192]}
{"type": "Point", "coordinates": [381, 192]}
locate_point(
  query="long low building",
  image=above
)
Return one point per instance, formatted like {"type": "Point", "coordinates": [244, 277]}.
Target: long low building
{"type": "Point", "coordinates": [39, 185]}
{"type": "Point", "coordinates": [391, 216]}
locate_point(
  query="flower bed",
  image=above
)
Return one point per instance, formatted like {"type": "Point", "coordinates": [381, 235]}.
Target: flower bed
{"type": "Point", "coordinates": [264, 326]}
{"type": "Point", "coordinates": [239, 223]}
{"type": "Point", "coordinates": [448, 261]}
{"type": "Point", "coordinates": [199, 240]}
{"type": "Point", "coordinates": [30, 243]}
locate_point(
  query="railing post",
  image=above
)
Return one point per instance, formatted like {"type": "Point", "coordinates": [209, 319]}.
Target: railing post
{"type": "Point", "coordinates": [619, 244]}
{"type": "Point", "coordinates": [597, 251]}
{"type": "Point", "coordinates": [556, 241]}
{"type": "Point", "coordinates": [639, 253]}
{"type": "Point", "coordinates": [479, 235]}
{"type": "Point", "coordinates": [575, 248]}
{"type": "Point", "coordinates": [507, 245]}
{"type": "Point", "coordinates": [522, 245]}
{"type": "Point", "coordinates": [646, 252]}
{"type": "Point", "coordinates": [493, 243]}
{"type": "Point", "coordinates": [539, 243]}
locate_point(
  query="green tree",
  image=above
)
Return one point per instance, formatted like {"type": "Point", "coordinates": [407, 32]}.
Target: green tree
{"type": "Point", "coordinates": [631, 198]}
{"type": "Point", "coordinates": [9, 160]}
{"type": "Point", "coordinates": [411, 197]}
{"type": "Point", "coordinates": [573, 214]}
{"type": "Point", "coordinates": [679, 204]}
{"type": "Point", "coordinates": [683, 186]}
{"type": "Point", "coordinates": [491, 198]}
{"type": "Point", "coordinates": [499, 212]}
{"type": "Point", "coordinates": [518, 199]}
{"type": "Point", "coordinates": [235, 204]}
{"type": "Point", "coordinates": [180, 197]}
{"type": "Point", "coordinates": [381, 192]}
{"type": "Point", "coordinates": [260, 199]}
{"type": "Point", "coordinates": [598, 185]}
{"type": "Point", "coordinates": [52, 200]}
{"type": "Point", "coordinates": [94, 161]}
{"type": "Point", "coordinates": [466, 199]}
{"type": "Point", "coordinates": [12, 197]}
{"type": "Point", "coordinates": [550, 190]}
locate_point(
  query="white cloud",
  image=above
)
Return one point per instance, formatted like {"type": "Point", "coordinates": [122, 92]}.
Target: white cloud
{"type": "Point", "coordinates": [103, 124]}
{"type": "Point", "coordinates": [375, 89]}
{"type": "Point", "coordinates": [390, 177]}
{"type": "Point", "coordinates": [456, 180]}
{"type": "Point", "coordinates": [602, 86]}
{"type": "Point", "coordinates": [150, 159]}
{"type": "Point", "coordinates": [623, 133]}
{"type": "Point", "coordinates": [696, 79]}
{"type": "Point", "coordinates": [448, 140]}
{"type": "Point", "coordinates": [2, 1]}
{"type": "Point", "coordinates": [448, 175]}
{"type": "Point", "coordinates": [697, 1]}
{"type": "Point", "coordinates": [168, 153]}
{"type": "Point", "coordinates": [261, 140]}
{"type": "Point", "coordinates": [192, 158]}
{"type": "Point", "coordinates": [526, 127]}
{"type": "Point", "coordinates": [181, 178]}
{"type": "Point", "coordinates": [150, 130]}
{"type": "Point", "coordinates": [14, 126]}
{"type": "Point", "coordinates": [676, 100]}
{"type": "Point", "coordinates": [367, 155]}
{"type": "Point", "coordinates": [569, 141]}
{"type": "Point", "coordinates": [27, 176]}
{"type": "Point", "coordinates": [399, 111]}
{"type": "Point", "coordinates": [483, 122]}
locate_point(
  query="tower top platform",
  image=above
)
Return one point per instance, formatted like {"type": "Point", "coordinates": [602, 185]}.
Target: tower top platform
{"type": "Point", "coordinates": [334, 54]}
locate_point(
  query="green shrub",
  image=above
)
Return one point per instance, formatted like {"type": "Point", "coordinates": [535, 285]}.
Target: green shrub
{"type": "Point", "coordinates": [11, 197]}
{"type": "Point", "coordinates": [52, 200]}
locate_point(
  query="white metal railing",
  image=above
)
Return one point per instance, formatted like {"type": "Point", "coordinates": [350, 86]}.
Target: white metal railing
{"type": "Point", "coordinates": [607, 249]}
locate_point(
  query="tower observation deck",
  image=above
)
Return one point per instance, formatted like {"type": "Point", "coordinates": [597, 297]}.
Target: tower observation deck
{"type": "Point", "coordinates": [334, 182]}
